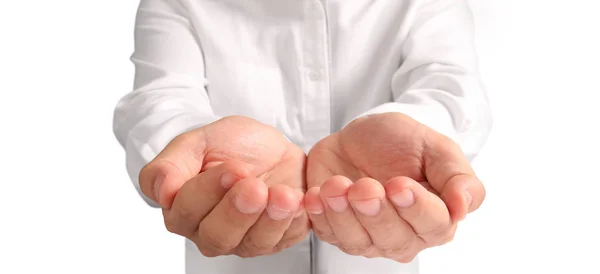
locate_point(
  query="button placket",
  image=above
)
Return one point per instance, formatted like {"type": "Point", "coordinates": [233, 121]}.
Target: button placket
{"type": "Point", "coordinates": [315, 75]}
{"type": "Point", "coordinates": [316, 105]}
{"type": "Point", "coordinates": [316, 91]}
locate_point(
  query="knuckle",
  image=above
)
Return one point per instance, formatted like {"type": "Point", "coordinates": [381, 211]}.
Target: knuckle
{"type": "Point", "coordinates": [282, 246]}
{"type": "Point", "coordinates": [177, 221]}
{"type": "Point", "coordinates": [324, 235]}
{"type": "Point", "coordinates": [439, 235]}
{"type": "Point", "coordinates": [184, 214]}
{"type": "Point", "coordinates": [256, 247]}
{"type": "Point", "coordinates": [246, 254]}
{"type": "Point", "coordinates": [431, 230]}
{"type": "Point", "coordinates": [208, 253]}
{"type": "Point", "coordinates": [371, 255]}
{"type": "Point", "coordinates": [387, 225]}
{"type": "Point", "coordinates": [242, 252]}
{"type": "Point", "coordinates": [204, 250]}
{"type": "Point", "coordinates": [214, 242]}
{"type": "Point", "coordinates": [291, 240]}
{"type": "Point", "coordinates": [446, 238]}
{"type": "Point", "coordinates": [406, 258]}
{"type": "Point", "coordinates": [437, 230]}
{"type": "Point", "coordinates": [298, 236]}
{"type": "Point", "coordinates": [357, 250]}
{"type": "Point", "coordinates": [245, 251]}
{"type": "Point", "coordinates": [171, 225]}
{"type": "Point", "coordinates": [396, 250]}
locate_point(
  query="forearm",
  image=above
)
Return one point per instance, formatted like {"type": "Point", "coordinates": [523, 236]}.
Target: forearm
{"type": "Point", "coordinates": [169, 95]}
{"type": "Point", "coordinates": [438, 83]}
{"type": "Point", "coordinates": [459, 111]}
{"type": "Point", "coordinates": [145, 123]}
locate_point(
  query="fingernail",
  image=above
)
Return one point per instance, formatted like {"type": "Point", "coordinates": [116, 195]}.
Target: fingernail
{"type": "Point", "coordinates": [405, 198]}
{"type": "Point", "coordinates": [157, 185]}
{"type": "Point", "coordinates": [245, 206]}
{"type": "Point", "coordinates": [469, 199]}
{"type": "Point", "coordinates": [368, 207]}
{"type": "Point", "coordinates": [277, 213]}
{"type": "Point", "coordinates": [315, 211]}
{"type": "Point", "coordinates": [338, 204]}
{"type": "Point", "coordinates": [227, 180]}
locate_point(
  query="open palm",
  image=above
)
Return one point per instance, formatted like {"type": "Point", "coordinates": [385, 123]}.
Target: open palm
{"type": "Point", "coordinates": [234, 186]}
{"type": "Point", "coordinates": [388, 186]}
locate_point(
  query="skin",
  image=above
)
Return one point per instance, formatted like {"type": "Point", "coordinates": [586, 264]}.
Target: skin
{"type": "Point", "coordinates": [384, 186]}
{"type": "Point", "coordinates": [388, 186]}
{"type": "Point", "coordinates": [235, 186]}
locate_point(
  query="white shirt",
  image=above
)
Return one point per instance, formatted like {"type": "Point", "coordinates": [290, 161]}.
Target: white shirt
{"type": "Point", "coordinates": [306, 67]}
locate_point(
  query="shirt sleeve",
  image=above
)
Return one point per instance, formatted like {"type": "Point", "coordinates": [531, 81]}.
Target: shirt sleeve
{"type": "Point", "coordinates": [437, 82]}
{"type": "Point", "coordinates": [169, 95]}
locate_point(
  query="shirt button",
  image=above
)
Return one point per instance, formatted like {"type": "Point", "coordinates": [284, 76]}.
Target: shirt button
{"type": "Point", "coordinates": [314, 75]}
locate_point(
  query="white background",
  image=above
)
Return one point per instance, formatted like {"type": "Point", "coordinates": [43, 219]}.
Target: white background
{"type": "Point", "coordinates": [67, 206]}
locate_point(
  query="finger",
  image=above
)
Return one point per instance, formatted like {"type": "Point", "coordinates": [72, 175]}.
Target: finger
{"type": "Point", "coordinates": [177, 163]}
{"type": "Point", "coordinates": [299, 228]}
{"type": "Point", "coordinates": [352, 236]}
{"type": "Point", "coordinates": [263, 236]}
{"type": "Point", "coordinates": [449, 172]}
{"type": "Point", "coordinates": [462, 195]}
{"type": "Point", "coordinates": [225, 226]}
{"type": "Point", "coordinates": [391, 235]}
{"type": "Point", "coordinates": [424, 211]}
{"type": "Point", "coordinates": [198, 196]}
{"type": "Point", "coordinates": [316, 213]}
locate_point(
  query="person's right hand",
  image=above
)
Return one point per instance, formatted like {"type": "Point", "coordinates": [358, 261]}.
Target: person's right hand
{"type": "Point", "coordinates": [234, 186]}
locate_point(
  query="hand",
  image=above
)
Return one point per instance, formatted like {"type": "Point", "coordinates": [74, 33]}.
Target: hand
{"type": "Point", "coordinates": [232, 187]}
{"type": "Point", "coordinates": [388, 186]}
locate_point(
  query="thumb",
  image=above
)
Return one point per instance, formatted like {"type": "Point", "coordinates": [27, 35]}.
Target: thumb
{"type": "Point", "coordinates": [449, 173]}
{"type": "Point", "coordinates": [178, 162]}
{"type": "Point", "coordinates": [290, 171]}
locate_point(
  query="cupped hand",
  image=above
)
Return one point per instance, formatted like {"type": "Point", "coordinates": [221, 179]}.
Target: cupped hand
{"type": "Point", "coordinates": [388, 186]}
{"type": "Point", "coordinates": [235, 186]}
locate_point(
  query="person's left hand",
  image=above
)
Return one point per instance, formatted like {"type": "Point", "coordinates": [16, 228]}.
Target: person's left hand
{"type": "Point", "coordinates": [388, 186]}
